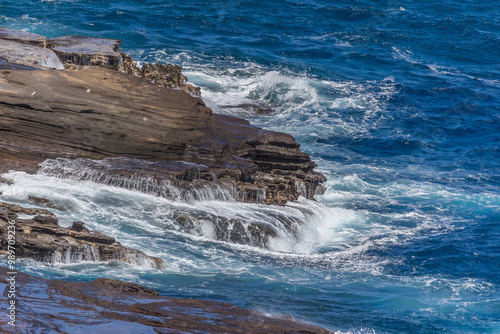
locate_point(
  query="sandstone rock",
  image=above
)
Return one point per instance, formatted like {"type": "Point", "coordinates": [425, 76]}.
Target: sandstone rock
{"type": "Point", "coordinates": [22, 37]}
{"type": "Point", "coordinates": [41, 238]}
{"type": "Point", "coordinates": [88, 307]}
{"type": "Point", "coordinates": [81, 52]}
{"type": "Point", "coordinates": [28, 55]}
{"type": "Point", "coordinates": [99, 113]}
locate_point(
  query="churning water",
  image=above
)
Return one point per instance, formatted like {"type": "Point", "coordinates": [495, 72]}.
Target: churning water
{"type": "Point", "coordinates": [397, 102]}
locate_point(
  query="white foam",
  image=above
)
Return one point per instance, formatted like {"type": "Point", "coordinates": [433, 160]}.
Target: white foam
{"type": "Point", "coordinates": [146, 222]}
{"type": "Point", "coordinates": [301, 103]}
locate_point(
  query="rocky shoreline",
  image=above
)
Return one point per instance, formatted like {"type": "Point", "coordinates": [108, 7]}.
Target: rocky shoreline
{"type": "Point", "coordinates": [97, 110]}
{"type": "Point", "coordinates": [39, 237]}
{"type": "Point", "coordinates": [112, 306]}
{"type": "Point", "coordinates": [78, 108]}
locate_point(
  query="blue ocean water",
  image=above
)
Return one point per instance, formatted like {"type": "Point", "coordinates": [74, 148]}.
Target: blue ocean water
{"type": "Point", "coordinates": [398, 104]}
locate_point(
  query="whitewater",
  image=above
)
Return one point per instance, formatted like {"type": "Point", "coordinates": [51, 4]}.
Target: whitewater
{"type": "Point", "coordinates": [398, 104]}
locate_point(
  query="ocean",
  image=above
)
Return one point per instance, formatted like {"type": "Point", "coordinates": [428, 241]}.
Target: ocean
{"type": "Point", "coordinates": [398, 102]}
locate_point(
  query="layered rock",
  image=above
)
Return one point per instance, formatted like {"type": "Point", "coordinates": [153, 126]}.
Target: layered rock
{"type": "Point", "coordinates": [104, 304]}
{"type": "Point", "coordinates": [25, 50]}
{"type": "Point", "coordinates": [24, 37]}
{"type": "Point", "coordinates": [168, 76]}
{"type": "Point", "coordinates": [81, 51]}
{"type": "Point", "coordinates": [101, 113]}
{"type": "Point", "coordinates": [39, 236]}
{"type": "Point", "coordinates": [28, 56]}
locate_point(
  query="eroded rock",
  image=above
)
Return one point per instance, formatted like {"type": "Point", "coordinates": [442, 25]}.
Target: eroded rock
{"type": "Point", "coordinates": [39, 237]}
{"type": "Point", "coordinates": [168, 76]}
{"type": "Point", "coordinates": [77, 52]}
{"type": "Point", "coordinates": [99, 113]}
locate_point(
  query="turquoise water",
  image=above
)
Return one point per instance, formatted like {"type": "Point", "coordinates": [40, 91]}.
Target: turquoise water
{"type": "Point", "coordinates": [397, 102]}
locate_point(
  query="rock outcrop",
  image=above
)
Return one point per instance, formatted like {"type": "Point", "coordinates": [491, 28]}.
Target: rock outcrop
{"type": "Point", "coordinates": [168, 76]}
{"type": "Point", "coordinates": [81, 52]}
{"type": "Point", "coordinates": [108, 305]}
{"type": "Point", "coordinates": [39, 237]}
{"type": "Point", "coordinates": [101, 113]}
{"type": "Point", "coordinates": [28, 56]}
{"type": "Point", "coordinates": [24, 37]}
{"type": "Point", "coordinates": [25, 50]}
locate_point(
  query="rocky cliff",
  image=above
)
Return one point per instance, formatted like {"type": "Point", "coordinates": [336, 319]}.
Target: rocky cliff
{"type": "Point", "coordinates": [141, 130]}
{"type": "Point", "coordinates": [77, 107]}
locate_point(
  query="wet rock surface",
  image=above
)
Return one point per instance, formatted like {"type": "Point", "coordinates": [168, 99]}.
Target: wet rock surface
{"type": "Point", "coordinates": [112, 306]}
{"type": "Point", "coordinates": [39, 237]}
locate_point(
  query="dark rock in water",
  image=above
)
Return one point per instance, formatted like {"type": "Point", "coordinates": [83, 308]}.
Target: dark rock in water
{"type": "Point", "coordinates": [22, 37]}
{"type": "Point", "coordinates": [81, 51]}
{"type": "Point", "coordinates": [257, 108]}
{"type": "Point", "coordinates": [41, 238]}
{"type": "Point", "coordinates": [99, 113]}
{"type": "Point", "coordinates": [28, 55]}
{"type": "Point", "coordinates": [40, 201]}
{"type": "Point", "coordinates": [225, 229]}
{"type": "Point", "coordinates": [97, 306]}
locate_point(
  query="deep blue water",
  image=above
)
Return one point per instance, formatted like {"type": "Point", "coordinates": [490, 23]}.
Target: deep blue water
{"type": "Point", "coordinates": [397, 102]}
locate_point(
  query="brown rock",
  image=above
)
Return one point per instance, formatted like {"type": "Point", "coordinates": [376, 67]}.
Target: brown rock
{"type": "Point", "coordinates": [22, 37]}
{"type": "Point", "coordinates": [85, 52]}
{"type": "Point", "coordinates": [41, 238]}
{"type": "Point", "coordinates": [99, 113]}
{"type": "Point", "coordinates": [168, 76]}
